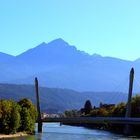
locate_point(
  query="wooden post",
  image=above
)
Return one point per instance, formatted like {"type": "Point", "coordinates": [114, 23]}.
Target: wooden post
{"type": "Point", "coordinates": [127, 129]}
{"type": "Point", "coordinates": [38, 107]}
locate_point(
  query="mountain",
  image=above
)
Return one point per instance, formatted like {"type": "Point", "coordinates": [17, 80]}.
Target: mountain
{"type": "Point", "coordinates": [54, 100]}
{"type": "Point", "coordinates": [60, 65]}
{"type": "Point", "coordinates": [57, 52]}
{"type": "Point", "coordinates": [5, 57]}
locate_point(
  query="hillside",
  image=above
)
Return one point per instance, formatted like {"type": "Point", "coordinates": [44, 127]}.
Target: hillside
{"type": "Point", "coordinates": [58, 100]}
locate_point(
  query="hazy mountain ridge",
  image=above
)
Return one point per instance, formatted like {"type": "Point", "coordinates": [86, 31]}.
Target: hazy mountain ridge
{"type": "Point", "coordinates": [54, 100]}
{"type": "Point", "coordinates": [58, 64]}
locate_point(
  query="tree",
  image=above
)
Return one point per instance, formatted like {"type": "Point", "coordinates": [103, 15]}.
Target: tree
{"type": "Point", "coordinates": [27, 123]}
{"type": "Point", "coordinates": [28, 115]}
{"type": "Point", "coordinates": [102, 112]}
{"type": "Point", "coordinates": [87, 107]}
{"type": "Point", "coordinates": [15, 118]}
{"type": "Point", "coordinates": [71, 113]}
{"type": "Point", "coordinates": [9, 117]}
{"type": "Point", "coordinates": [119, 110]}
{"type": "Point", "coordinates": [135, 106]}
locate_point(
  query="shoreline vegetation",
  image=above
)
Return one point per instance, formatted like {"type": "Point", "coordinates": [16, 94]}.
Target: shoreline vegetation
{"type": "Point", "coordinates": [17, 118]}
{"type": "Point", "coordinates": [108, 110]}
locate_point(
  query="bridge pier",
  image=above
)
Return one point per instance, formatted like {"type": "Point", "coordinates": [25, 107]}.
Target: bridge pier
{"type": "Point", "coordinates": [39, 120]}
{"type": "Point", "coordinates": [128, 128]}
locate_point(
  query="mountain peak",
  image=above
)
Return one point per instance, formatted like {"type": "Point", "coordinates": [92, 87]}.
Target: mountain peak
{"type": "Point", "coordinates": [43, 43]}
{"type": "Point", "coordinates": [96, 55]}
{"type": "Point", "coordinates": [58, 42]}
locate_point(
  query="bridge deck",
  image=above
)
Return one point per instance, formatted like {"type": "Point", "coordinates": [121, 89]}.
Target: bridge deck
{"type": "Point", "coordinates": [95, 120]}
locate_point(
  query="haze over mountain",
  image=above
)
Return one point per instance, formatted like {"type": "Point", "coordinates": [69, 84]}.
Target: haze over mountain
{"type": "Point", "coordinates": [54, 100]}
{"type": "Point", "coordinates": [58, 64]}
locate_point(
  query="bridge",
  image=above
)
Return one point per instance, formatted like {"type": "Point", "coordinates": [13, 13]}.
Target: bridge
{"type": "Point", "coordinates": [95, 120]}
{"type": "Point", "coordinates": [127, 121]}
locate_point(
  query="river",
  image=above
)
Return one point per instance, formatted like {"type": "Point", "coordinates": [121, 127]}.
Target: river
{"type": "Point", "coordinates": [53, 131]}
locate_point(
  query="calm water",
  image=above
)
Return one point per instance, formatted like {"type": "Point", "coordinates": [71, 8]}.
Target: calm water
{"type": "Point", "coordinates": [53, 131]}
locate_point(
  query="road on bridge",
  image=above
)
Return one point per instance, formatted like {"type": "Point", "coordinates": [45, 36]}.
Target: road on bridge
{"type": "Point", "coordinates": [95, 120]}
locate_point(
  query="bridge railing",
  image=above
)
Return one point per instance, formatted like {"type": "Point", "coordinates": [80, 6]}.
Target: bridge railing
{"type": "Point", "coordinates": [95, 120]}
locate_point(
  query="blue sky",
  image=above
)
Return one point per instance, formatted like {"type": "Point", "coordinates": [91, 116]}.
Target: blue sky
{"type": "Point", "coordinates": [106, 27]}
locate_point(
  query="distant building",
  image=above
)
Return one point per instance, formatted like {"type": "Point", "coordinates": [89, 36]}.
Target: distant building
{"type": "Point", "coordinates": [106, 105]}
{"type": "Point", "coordinates": [45, 115]}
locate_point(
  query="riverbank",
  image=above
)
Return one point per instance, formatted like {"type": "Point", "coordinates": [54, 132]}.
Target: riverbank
{"type": "Point", "coordinates": [19, 134]}
{"type": "Point", "coordinates": [116, 129]}
{"type": "Point", "coordinates": [53, 131]}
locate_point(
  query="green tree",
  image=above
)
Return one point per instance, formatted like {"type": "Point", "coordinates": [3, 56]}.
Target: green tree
{"type": "Point", "coordinates": [28, 115]}
{"type": "Point", "coordinates": [87, 107]}
{"type": "Point", "coordinates": [27, 123]}
{"type": "Point", "coordinates": [71, 113]}
{"type": "Point", "coordinates": [102, 112]}
{"type": "Point", "coordinates": [15, 118]}
{"type": "Point", "coordinates": [9, 117]}
{"type": "Point", "coordinates": [94, 113]}
{"type": "Point", "coordinates": [0, 116]}
{"type": "Point", "coordinates": [135, 106]}
{"type": "Point", "coordinates": [119, 110]}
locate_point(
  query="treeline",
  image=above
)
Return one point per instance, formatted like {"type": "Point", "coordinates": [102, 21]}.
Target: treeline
{"type": "Point", "coordinates": [17, 116]}
{"type": "Point", "coordinates": [117, 110]}
{"type": "Point", "coordinates": [108, 110]}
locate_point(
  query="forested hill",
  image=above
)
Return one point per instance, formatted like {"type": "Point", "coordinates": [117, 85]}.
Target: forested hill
{"type": "Point", "coordinates": [54, 100]}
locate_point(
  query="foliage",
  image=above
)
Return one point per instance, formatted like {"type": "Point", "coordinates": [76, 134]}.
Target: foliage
{"type": "Point", "coordinates": [28, 115]}
{"type": "Point", "coordinates": [136, 106]}
{"type": "Point", "coordinates": [71, 113]}
{"type": "Point", "coordinates": [9, 116]}
{"type": "Point", "coordinates": [119, 110]}
{"type": "Point", "coordinates": [26, 121]}
{"type": "Point", "coordinates": [26, 103]}
{"type": "Point", "coordinates": [101, 112]}
{"type": "Point", "coordinates": [87, 107]}
{"type": "Point", "coordinates": [14, 116]}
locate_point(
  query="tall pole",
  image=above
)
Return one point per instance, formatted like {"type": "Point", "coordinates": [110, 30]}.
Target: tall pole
{"type": "Point", "coordinates": [128, 108]}
{"type": "Point", "coordinates": [128, 128]}
{"type": "Point", "coordinates": [38, 107]}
